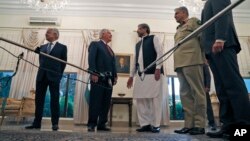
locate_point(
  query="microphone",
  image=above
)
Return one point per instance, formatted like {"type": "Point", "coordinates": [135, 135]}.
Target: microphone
{"type": "Point", "coordinates": [108, 76]}
{"type": "Point", "coordinates": [99, 74]}
{"type": "Point", "coordinates": [110, 82]}
{"type": "Point", "coordinates": [21, 55]}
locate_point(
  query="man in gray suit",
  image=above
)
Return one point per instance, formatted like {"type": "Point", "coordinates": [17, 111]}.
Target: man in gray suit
{"type": "Point", "coordinates": [221, 47]}
{"type": "Point", "coordinates": [188, 63]}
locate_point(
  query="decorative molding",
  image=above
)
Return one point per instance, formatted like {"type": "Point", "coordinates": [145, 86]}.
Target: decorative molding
{"type": "Point", "coordinates": [104, 9]}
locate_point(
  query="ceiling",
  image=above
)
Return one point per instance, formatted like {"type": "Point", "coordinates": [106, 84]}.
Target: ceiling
{"type": "Point", "coordinates": [155, 9]}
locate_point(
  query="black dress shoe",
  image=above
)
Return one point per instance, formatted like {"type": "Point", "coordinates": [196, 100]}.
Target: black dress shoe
{"type": "Point", "coordinates": [184, 130]}
{"type": "Point", "coordinates": [212, 127]}
{"type": "Point", "coordinates": [155, 129]}
{"type": "Point", "coordinates": [226, 136]}
{"type": "Point", "coordinates": [55, 127]}
{"type": "Point", "coordinates": [218, 134]}
{"type": "Point", "coordinates": [145, 128]}
{"type": "Point", "coordinates": [33, 127]}
{"type": "Point", "coordinates": [103, 129]}
{"type": "Point", "coordinates": [197, 131]}
{"type": "Point", "coordinates": [91, 128]}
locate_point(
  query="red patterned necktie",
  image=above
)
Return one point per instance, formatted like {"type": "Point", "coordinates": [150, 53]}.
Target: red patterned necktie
{"type": "Point", "coordinates": [109, 50]}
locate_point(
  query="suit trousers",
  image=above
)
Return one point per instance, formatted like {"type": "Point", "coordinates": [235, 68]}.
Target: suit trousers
{"type": "Point", "coordinates": [99, 104]}
{"type": "Point", "coordinates": [210, 113]}
{"type": "Point", "coordinates": [41, 88]}
{"type": "Point", "coordinates": [149, 110]}
{"type": "Point", "coordinates": [230, 88]}
{"type": "Point", "coordinates": [192, 94]}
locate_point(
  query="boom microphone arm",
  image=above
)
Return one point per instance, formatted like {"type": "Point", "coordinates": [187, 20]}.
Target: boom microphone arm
{"type": "Point", "coordinates": [52, 57]}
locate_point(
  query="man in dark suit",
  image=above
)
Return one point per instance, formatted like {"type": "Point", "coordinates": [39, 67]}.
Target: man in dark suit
{"type": "Point", "coordinates": [221, 46]}
{"type": "Point", "coordinates": [101, 59]}
{"type": "Point", "coordinates": [207, 83]}
{"type": "Point", "coordinates": [47, 78]}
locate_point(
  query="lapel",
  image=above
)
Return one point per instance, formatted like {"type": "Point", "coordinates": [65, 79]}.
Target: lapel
{"type": "Point", "coordinates": [54, 48]}
{"type": "Point", "coordinates": [106, 48]}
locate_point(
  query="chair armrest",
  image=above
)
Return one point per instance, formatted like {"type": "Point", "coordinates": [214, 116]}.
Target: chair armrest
{"type": "Point", "coordinates": [28, 105]}
{"type": "Point", "coordinates": [13, 101]}
{"type": "Point", "coordinates": [28, 98]}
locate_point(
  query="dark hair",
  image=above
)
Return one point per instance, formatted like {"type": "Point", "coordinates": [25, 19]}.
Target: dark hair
{"type": "Point", "coordinates": [183, 9]}
{"type": "Point", "coordinates": [145, 26]}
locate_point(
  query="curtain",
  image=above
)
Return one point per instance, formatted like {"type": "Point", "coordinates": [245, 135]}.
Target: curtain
{"type": "Point", "coordinates": [243, 56]}
{"type": "Point", "coordinates": [169, 63]}
{"type": "Point", "coordinates": [24, 80]}
{"type": "Point", "coordinates": [80, 104]}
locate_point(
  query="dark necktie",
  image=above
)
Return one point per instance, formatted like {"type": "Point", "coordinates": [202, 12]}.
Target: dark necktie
{"type": "Point", "coordinates": [109, 50]}
{"type": "Point", "coordinates": [49, 48]}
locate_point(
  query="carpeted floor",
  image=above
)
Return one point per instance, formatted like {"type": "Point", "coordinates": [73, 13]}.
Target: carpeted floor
{"type": "Point", "coordinates": [36, 135]}
{"type": "Point", "coordinates": [74, 136]}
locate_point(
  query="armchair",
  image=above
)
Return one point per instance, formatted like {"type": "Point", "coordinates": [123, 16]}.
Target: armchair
{"type": "Point", "coordinates": [17, 108]}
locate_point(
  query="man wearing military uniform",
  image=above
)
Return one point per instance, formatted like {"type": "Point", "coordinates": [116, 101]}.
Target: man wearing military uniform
{"type": "Point", "coordinates": [188, 63]}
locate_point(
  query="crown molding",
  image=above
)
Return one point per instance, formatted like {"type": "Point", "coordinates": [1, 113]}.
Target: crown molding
{"type": "Point", "coordinates": [102, 9]}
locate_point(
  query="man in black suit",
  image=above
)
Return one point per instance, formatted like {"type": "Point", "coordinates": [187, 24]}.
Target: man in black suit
{"type": "Point", "coordinates": [47, 78]}
{"type": "Point", "coordinates": [221, 47]}
{"type": "Point", "coordinates": [207, 82]}
{"type": "Point", "coordinates": [101, 59]}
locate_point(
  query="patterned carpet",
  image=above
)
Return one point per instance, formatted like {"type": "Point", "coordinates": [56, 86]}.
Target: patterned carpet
{"type": "Point", "coordinates": [36, 135]}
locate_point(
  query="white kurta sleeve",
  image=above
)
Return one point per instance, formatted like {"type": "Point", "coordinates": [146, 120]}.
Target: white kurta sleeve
{"type": "Point", "coordinates": [133, 67]}
{"type": "Point", "coordinates": [159, 51]}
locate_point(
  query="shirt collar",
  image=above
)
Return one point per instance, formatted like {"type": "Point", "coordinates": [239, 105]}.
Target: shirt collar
{"type": "Point", "coordinates": [54, 42]}
{"type": "Point", "coordinates": [104, 42]}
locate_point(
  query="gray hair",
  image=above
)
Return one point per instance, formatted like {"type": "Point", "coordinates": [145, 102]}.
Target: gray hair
{"type": "Point", "coordinates": [55, 30]}
{"type": "Point", "coordinates": [183, 9]}
{"type": "Point", "coordinates": [103, 31]}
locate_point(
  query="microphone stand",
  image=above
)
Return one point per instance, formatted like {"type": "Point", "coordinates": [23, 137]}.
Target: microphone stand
{"type": "Point", "coordinates": [52, 57]}
{"type": "Point", "coordinates": [197, 31]}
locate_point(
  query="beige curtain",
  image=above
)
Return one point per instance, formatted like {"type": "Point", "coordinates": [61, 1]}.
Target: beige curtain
{"type": "Point", "coordinates": [169, 63]}
{"type": "Point", "coordinates": [24, 80]}
{"type": "Point", "coordinates": [243, 56]}
{"type": "Point", "coordinates": [80, 104]}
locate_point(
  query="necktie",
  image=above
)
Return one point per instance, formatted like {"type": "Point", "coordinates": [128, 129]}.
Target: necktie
{"type": "Point", "coordinates": [49, 48]}
{"type": "Point", "coordinates": [109, 50]}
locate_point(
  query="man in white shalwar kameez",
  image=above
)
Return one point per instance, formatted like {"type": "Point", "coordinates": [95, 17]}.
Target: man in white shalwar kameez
{"type": "Point", "coordinates": [148, 90]}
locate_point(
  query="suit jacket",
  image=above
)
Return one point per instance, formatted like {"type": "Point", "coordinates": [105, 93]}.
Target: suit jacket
{"type": "Point", "coordinates": [222, 29]}
{"type": "Point", "coordinates": [58, 51]}
{"type": "Point", "coordinates": [189, 53]}
{"type": "Point", "coordinates": [100, 59]}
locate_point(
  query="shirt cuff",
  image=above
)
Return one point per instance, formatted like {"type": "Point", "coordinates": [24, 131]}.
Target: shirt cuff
{"type": "Point", "coordinates": [158, 67]}
{"type": "Point", "coordinates": [219, 40]}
